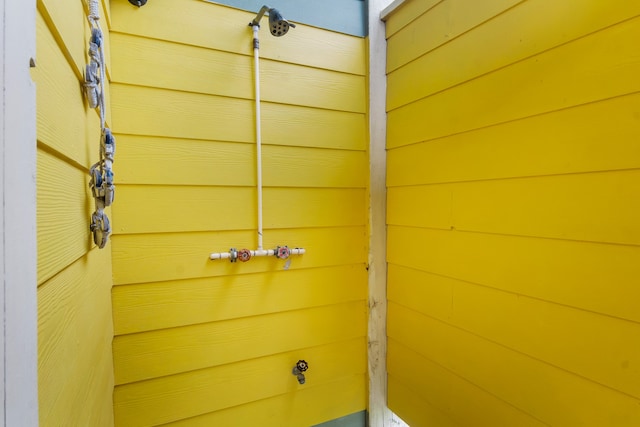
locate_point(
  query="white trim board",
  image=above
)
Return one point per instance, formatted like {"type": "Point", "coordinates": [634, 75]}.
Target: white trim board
{"type": "Point", "coordinates": [379, 413]}
{"type": "Point", "coordinates": [18, 291]}
{"type": "Point", "coordinates": [391, 8]}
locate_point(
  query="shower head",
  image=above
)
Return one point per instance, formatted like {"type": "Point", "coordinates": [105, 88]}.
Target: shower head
{"type": "Point", "coordinates": [277, 24]}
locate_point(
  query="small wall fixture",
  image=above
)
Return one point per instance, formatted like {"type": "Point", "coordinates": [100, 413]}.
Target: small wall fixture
{"type": "Point", "coordinates": [277, 24]}
{"type": "Point", "coordinates": [298, 370]}
{"type": "Point", "coordinates": [138, 2]}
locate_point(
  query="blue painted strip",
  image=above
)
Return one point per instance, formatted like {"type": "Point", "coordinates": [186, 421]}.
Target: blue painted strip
{"type": "Point", "coordinates": [344, 16]}
{"type": "Point", "coordinates": [359, 419]}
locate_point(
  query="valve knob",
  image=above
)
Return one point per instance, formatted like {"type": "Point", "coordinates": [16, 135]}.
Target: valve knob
{"type": "Point", "coordinates": [283, 252]}
{"type": "Point", "coordinates": [244, 255]}
{"type": "Point", "coordinates": [302, 366]}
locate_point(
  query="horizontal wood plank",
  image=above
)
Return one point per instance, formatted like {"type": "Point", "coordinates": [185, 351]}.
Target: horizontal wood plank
{"type": "Point", "coordinates": [71, 30]}
{"type": "Point", "coordinates": [190, 394]}
{"type": "Point", "coordinates": [141, 61]}
{"type": "Point", "coordinates": [440, 24]}
{"type": "Point", "coordinates": [171, 256]}
{"type": "Point", "coordinates": [433, 295]}
{"type": "Point", "coordinates": [311, 207]}
{"type": "Point", "coordinates": [157, 63]}
{"type": "Point", "coordinates": [526, 383]}
{"type": "Point", "coordinates": [165, 209]}
{"type": "Point", "coordinates": [171, 351]}
{"type": "Point", "coordinates": [599, 136]}
{"type": "Point", "coordinates": [421, 206]}
{"type": "Point", "coordinates": [160, 209]}
{"type": "Point", "coordinates": [304, 45]}
{"type": "Point", "coordinates": [519, 91]}
{"type": "Point", "coordinates": [552, 270]}
{"type": "Point", "coordinates": [63, 215]}
{"type": "Point", "coordinates": [160, 112]}
{"type": "Point", "coordinates": [467, 56]}
{"type": "Point", "coordinates": [414, 410]}
{"type": "Point", "coordinates": [597, 207]}
{"type": "Point", "coordinates": [148, 160]}
{"type": "Point", "coordinates": [75, 369]}
{"type": "Point", "coordinates": [312, 87]}
{"type": "Point", "coordinates": [169, 161]}
{"type": "Point", "coordinates": [462, 401]}
{"type": "Point", "coordinates": [406, 13]}
{"type": "Point", "coordinates": [597, 347]}
{"type": "Point", "coordinates": [77, 139]}
{"type": "Point", "coordinates": [308, 406]}
{"type": "Point", "coordinates": [186, 302]}
{"type": "Point", "coordinates": [312, 127]}
{"type": "Point", "coordinates": [312, 167]}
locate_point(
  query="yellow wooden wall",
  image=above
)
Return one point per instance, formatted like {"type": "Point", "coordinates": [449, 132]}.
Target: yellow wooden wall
{"type": "Point", "coordinates": [75, 328]}
{"type": "Point", "coordinates": [514, 212]}
{"type": "Point", "coordinates": [200, 342]}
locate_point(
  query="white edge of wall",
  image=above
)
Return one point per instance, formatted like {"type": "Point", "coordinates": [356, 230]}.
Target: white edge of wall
{"type": "Point", "coordinates": [18, 293]}
{"type": "Point", "coordinates": [379, 413]}
{"type": "Point", "coordinates": [391, 8]}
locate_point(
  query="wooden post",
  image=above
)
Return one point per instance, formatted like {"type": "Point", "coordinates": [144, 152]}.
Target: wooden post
{"type": "Point", "coordinates": [379, 414]}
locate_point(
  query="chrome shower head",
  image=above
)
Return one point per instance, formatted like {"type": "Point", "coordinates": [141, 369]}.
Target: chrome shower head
{"type": "Point", "coordinates": [277, 24]}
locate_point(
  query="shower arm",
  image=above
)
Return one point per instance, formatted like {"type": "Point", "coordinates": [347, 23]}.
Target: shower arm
{"type": "Point", "coordinates": [256, 21]}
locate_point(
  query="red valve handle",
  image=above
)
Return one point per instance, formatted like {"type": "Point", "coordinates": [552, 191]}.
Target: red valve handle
{"type": "Point", "coordinates": [283, 252]}
{"type": "Point", "coordinates": [244, 255]}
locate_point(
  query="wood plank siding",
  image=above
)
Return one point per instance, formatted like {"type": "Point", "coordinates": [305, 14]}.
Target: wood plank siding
{"type": "Point", "coordinates": [513, 212]}
{"type": "Point", "coordinates": [75, 368]}
{"type": "Point", "coordinates": [200, 342]}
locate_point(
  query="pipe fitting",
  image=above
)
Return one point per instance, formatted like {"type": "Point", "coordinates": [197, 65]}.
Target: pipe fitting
{"type": "Point", "coordinates": [244, 255]}
{"type": "Point", "coordinates": [299, 369]}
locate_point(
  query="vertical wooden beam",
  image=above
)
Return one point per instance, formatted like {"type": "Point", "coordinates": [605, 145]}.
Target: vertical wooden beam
{"type": "Point", "coordinates": [18, 296]}
{"type": "Point", "coordinates": [379, 414]}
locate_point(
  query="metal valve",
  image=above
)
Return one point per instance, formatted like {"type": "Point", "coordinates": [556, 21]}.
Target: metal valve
{"type": "Point", "coordinates": [299, 369]}
{"type": "Point", "coordinates": [233, 255]}
{"type": "Point", "coordinates": [244, 255]}
{"type": "Point", "coordinates": [302, 366]}
{"type": "Point", "coordinates": [282, 252]}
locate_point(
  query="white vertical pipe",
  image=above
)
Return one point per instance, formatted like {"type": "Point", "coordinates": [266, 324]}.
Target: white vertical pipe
{"type": "Point", "coordinates": [256, 60]}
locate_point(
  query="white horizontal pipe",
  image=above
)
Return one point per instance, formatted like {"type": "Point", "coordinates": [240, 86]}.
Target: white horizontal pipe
{"type": "Point", "coordinates": [257, 252]}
